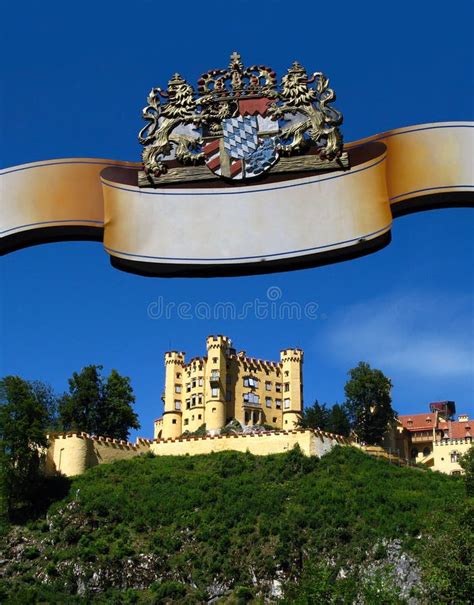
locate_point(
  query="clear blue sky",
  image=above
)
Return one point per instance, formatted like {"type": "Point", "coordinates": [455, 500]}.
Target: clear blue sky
{"type": "Point", "coordinates": [75, 77]}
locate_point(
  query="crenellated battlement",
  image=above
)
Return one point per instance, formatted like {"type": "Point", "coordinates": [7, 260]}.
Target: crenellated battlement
{"type": "Point", "coordinates": [175, 357]}
{"type": "Point", "coordinates": [97, 439]}
{"type": "Point", "coordinates": [218, 341]}
{"type": "Point", "coordinates": [451, 442]}
{"type": "Point", "coordinates": [292, 355]}
{"type": "Point", "coordinates": [318, 433]}
{"type": "Point", "coordinates": [311, 442]}
{"type": "Point", "coordinates": [72, 453]}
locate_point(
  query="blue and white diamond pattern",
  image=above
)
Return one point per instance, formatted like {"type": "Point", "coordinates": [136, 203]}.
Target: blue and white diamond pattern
{"type": "Point", "coordinates": [240, 136]}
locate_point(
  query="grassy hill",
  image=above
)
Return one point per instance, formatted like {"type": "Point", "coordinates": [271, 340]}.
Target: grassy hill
{"type": "Point", "coordinates": [236, 528]}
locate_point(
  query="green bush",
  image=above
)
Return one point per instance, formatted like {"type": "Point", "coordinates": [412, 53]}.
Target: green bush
{"type": "Point", "coordinates": [231, 517]}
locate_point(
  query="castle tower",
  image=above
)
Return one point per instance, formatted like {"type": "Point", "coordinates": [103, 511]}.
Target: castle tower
{"type": "Point", "coordinates": [292, 376]}
{"type": "Point", "coordinates": [173, 399]}
{"type": "Point", "coordinates": [216, 372]}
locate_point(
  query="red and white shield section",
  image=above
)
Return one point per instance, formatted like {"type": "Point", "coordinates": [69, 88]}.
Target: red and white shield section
{"type": "Point", "coordinates": [233, 168]}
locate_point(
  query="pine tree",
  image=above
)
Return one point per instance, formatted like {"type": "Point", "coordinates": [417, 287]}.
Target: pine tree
{"type": "Point", "coordinates": [315, 417]}
{"type": "Point", "coordinates": [338, 421]}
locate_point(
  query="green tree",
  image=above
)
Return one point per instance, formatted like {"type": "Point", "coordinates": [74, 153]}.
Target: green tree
{"type": "Point", "coordinates": [24, 416]}
{"type": "Point", "coordinates": [319, 416]}
{"type": "Point", "coordinates": [314, 417]}
{"type": "Point", "coordinates": [369, 402]}
{"type": "Point", "coordinates": [97, 405]}
{"type": "Point", "coordinates": [78, 409]}
{"type": "Point", "coordinates": [116, 416]}
{"type": "Point", "coordinates": [467, 463]}
{"type": "Point", "coordinates": [338, 421]}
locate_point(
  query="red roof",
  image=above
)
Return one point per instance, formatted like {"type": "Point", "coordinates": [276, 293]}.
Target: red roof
{"type": "Point", "coordinates": [457, 430]}
{"type": "Point", "coordinates": [418, 422]}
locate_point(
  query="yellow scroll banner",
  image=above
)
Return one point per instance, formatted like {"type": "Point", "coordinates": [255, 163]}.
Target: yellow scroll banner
{"type": "Point", "coordinates": [219, 228]}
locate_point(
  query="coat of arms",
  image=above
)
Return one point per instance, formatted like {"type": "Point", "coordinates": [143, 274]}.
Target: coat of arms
{"type": "Point", "coordinates": [239, 125]}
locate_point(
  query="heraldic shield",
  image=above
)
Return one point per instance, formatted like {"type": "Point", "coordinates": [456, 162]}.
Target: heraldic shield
{"type": "Point", "coordinates": [246, 148]}
{"type": "Point", "coordinates": [240, 124]}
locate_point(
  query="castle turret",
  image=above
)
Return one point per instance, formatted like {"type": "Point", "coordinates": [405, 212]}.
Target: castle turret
{"type": "Point", "coordinates": [292, 365]}
{"type": "Point", "coordinates": [173, 396]}
{"type": "Point", "coordinates": [216, 371]}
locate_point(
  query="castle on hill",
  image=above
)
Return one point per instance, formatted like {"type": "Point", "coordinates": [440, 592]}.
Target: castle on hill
{"type": "Point", "coordinates": [225, 385]}
{"type": "Point", "coordinates": [266, 399]}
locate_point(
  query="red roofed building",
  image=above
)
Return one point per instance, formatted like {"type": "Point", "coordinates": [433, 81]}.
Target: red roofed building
{"type": "Point", "coordinates": [435, 438]}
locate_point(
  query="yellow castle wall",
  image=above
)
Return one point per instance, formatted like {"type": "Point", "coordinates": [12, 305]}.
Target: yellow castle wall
{"type": "Point", "coordinates": [312, 443]}
{"type": "Point", "coordinates": [72, 453]}
{"type": "Point", "coordinates": [442, 452]}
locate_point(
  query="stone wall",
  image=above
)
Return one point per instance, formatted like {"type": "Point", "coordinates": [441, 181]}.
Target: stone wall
{"type": "Point", "coordinates": [73, 453]}
{"type": "Point", "coordinates": [312, 443]}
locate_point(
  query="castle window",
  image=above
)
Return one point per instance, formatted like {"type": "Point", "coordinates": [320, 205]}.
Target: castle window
{"type": "Point", "coordinates": [215, 392]}
{"type": "Point", "coordinates": [287, 387]}
{"type": "Point", "coordinates": [193, 401]}
{"type": "Point", "coordinates": [194, 383]}
{"type": "Point", "coordinates": [173, 421]}
{"type": "Point", "coordinates": [278, 404]}
{"type": "Point", "coordinates": [188, 404]}
{"type": "Point", "coordinates": [200, 381]}
{"type": "Point", "coordinates": [188, 387]}
{"type": "Point", "coordinates": [177, 404]}
{"type": "Point", "coordinates": [199, 416]}
{"type": "Point", "coordinates": [268, 386]}
{"type": "Point", "coordinates": [454, 457]}
{"type": "Point", "coordinates": [278, 387]}
{"type": "Point", "coordinates": [287, 404]}
{"type": "Point", "coordinates": [250, 382]}
{"type": "Point", "coordinates": [268, 402]}
{"type": "Point", "coordinates": [178, 375]}
{"type": "Point", "coordinates": [287, 373]}
{"type": "Point", "coordinates": [186, 421]}
{"type": "Point", "coordinates": [213, 410]}
{"type": "Point", "coordinates": [177, 388]}
{"type": "Point", "coordinates": [251, 398]}
{"type": "Point", "coordinates": [192, 417]}
{"type": "Point", "coordinates": [274, 419]}
{"type": "Point", "coordinates": [200, 399]}
{"type": "Point", "coordinates": [214, 360]}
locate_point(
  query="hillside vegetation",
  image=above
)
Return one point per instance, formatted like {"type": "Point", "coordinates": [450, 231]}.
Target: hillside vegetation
{"type": "Point", "coordinates": [237, 528]}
